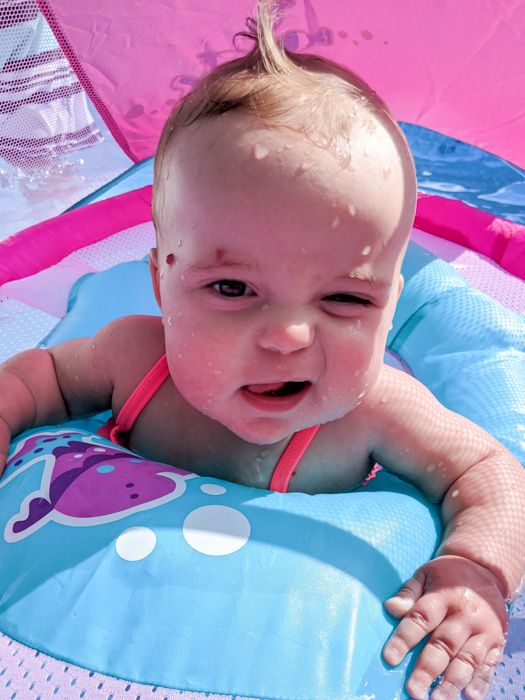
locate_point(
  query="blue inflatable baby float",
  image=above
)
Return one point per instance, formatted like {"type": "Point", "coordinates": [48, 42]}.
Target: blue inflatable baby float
{"type": "Point", "coordinates": [146, 572]}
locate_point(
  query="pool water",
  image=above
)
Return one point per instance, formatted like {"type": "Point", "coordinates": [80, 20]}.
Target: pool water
{"type": "Point", "coordinates": [453, 169]}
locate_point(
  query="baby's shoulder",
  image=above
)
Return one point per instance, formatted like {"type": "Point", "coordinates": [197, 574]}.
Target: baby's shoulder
{"type": "Point", "coordinates": [131, 338]}
{"type": "Point", "coordinates": [394, 396]}
{"type": "Point", "coordinates": [393, 385]}
{"type": "Point", "coordinates": [132, 345]}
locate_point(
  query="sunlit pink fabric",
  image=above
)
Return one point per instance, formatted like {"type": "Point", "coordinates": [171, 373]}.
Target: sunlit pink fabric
{"type": "Point", "coordinates": [45, 244]}
{"type": "Point", "coordinates": [501, 240]}
{"type": "Point", "coordinates": [456, 67]}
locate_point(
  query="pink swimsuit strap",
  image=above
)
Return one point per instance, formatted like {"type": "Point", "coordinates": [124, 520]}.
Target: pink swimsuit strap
{"type": "Point", "coordinates": [290, 458]}
{"type": "Point", "coordinates": [148, 387]}
{"type": "Point", "coordinates": [137, 401]}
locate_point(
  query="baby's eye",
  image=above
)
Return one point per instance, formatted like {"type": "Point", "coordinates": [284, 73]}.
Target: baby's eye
{"type": "Point", "coordinates": [232, 288]}
{"type": "Point", "coordinates": [343, 298]}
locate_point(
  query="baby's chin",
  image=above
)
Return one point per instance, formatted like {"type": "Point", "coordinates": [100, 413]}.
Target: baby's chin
{"type": "Point", "coordinates": [271, 431]}
{"type": "Point", "coordinates": [260, 434]}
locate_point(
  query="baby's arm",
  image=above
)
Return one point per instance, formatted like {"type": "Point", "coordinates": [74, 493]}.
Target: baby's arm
{"type": "Point", "coordinates": [39, 387]}
{"type": "Point", "coordinates": [459, 597]}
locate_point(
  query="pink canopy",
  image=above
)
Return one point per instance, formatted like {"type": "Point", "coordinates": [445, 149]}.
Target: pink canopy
{"type": "Point", "coordinates": [456, 67]}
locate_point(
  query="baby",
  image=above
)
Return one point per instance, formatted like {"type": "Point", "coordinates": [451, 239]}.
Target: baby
{"type": "Point", "coordinates": [284, 196]}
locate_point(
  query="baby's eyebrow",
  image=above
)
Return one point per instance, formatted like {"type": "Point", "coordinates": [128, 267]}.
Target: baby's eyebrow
{"type": "Point", "coordinates": [228, 264]}
{"type": "Point", "coordinates": [369, 280]}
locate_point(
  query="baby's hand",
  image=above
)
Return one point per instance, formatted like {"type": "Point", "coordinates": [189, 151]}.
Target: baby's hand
{"type": "Point", "coordinates": [459, 604]}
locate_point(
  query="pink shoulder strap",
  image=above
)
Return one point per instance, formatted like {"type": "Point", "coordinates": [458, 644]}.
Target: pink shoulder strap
{"type": "Point", "coordinates": [293, 452]}
{"type": "Point", "coordinates": [137, 401]}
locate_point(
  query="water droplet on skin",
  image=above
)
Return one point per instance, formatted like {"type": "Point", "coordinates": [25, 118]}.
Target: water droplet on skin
{"type": "Point", "coordinates": [386, 173]}
{"type": "Point", "coordinates": [366, 250]}
{"type": "Point", "coordinates": [302, 168]}
{"type": "Point", "coordinates": [161, 274]}
{"type": "Point", "coordinates": [260, 152]}
{"type": "Point", "coordinates": [361, 395]}
{"type": "Point", "coordinates": [358, 324]}
{"type": "Point", "coordinates": [169, 321]}
{"type": "Point", "coordinates": [383, 400]}
{"type": "Point", "coordinates": [179, 356]}
{"type": "Point", "coordinates": [336, 222]}
{"type": "Point", "coordinates": [431, 467]}
{"type": "Point", "coordinates": [179, 242]}
{"type": "Point", "coordinates": [351, 209]}
{"type": "Point", "coordinates": [454, 493]}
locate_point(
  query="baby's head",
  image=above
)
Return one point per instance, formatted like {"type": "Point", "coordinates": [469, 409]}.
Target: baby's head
{"type": "Point", "coordinates": [284, 195]}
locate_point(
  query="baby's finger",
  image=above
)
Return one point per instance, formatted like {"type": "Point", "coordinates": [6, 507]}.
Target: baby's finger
{"type": "Point", "coordinates": [480, 684]}
{"type": "Point", "coordinates": [400, 603]}
{"type": "Point", "coordinates": [420, 620]}
{"type": "Point", "coordinates": [482, 679]}
{"type": "Point", "coordinates": [462, 668]}
{"type": "Point", "coordinates": [443, 645]}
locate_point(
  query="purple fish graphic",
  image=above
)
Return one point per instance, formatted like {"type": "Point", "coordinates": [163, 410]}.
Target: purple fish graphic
{"type": "Point", "coordinates": [86, 481]}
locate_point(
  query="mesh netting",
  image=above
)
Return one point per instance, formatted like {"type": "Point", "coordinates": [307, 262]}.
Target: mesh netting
{"type": "Point", "coordinates": [47, 124]}
{"type": "Point", "coordinates": [26, 674]}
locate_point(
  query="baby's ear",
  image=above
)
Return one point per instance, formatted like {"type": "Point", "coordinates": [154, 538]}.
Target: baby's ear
{"type": "Point", "coordinates": [155, 274]}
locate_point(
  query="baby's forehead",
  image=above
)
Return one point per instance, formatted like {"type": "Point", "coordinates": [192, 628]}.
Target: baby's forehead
{"type": "Point", "coordinates": [236, 169]}
{"type": "Point", "coordinates": [368, 144]}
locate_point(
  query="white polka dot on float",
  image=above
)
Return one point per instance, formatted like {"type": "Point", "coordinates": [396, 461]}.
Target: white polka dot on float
{"type": "Point", "coordinates": [136, 543]}
{"type": "Point", "coordinates": [216, 530]}
{"type": "Point", "coordinates": [213, 489]}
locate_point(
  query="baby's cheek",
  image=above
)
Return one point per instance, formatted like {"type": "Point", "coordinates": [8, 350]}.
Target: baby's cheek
{"type": "Point", "coordinates": [355, 364]}
{"type": "Point", "coordinates": [199, 371]}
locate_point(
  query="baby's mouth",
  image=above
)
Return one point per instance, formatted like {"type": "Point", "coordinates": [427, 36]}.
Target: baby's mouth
{"type": "Point", "coordinates": [277, 388]}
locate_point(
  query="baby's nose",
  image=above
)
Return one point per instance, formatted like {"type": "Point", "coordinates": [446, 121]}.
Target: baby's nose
{"type": "Point", "coordinates": [286, 337]}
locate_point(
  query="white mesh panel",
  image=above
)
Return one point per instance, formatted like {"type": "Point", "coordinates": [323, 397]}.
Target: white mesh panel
{"type": "Point", "coordinates": [21, 327]}
{"type": "Point", "coordinates": [52, 142]}
{"type": "Point", "coordinates": [479, 271]}
{"type": "Point", "coordinates": [132, 244]}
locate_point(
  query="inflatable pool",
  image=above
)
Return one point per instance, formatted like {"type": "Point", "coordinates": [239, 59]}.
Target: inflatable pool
{"type": "Point", "coordinates": [125, 578]}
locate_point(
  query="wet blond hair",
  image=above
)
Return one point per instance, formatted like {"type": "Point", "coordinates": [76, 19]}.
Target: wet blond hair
{"type": "Point", "coordinates": [307, 93]}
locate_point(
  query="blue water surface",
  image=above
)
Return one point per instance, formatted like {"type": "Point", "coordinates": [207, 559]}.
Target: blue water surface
{"type": "Point", "coordinates": [453, 169]}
